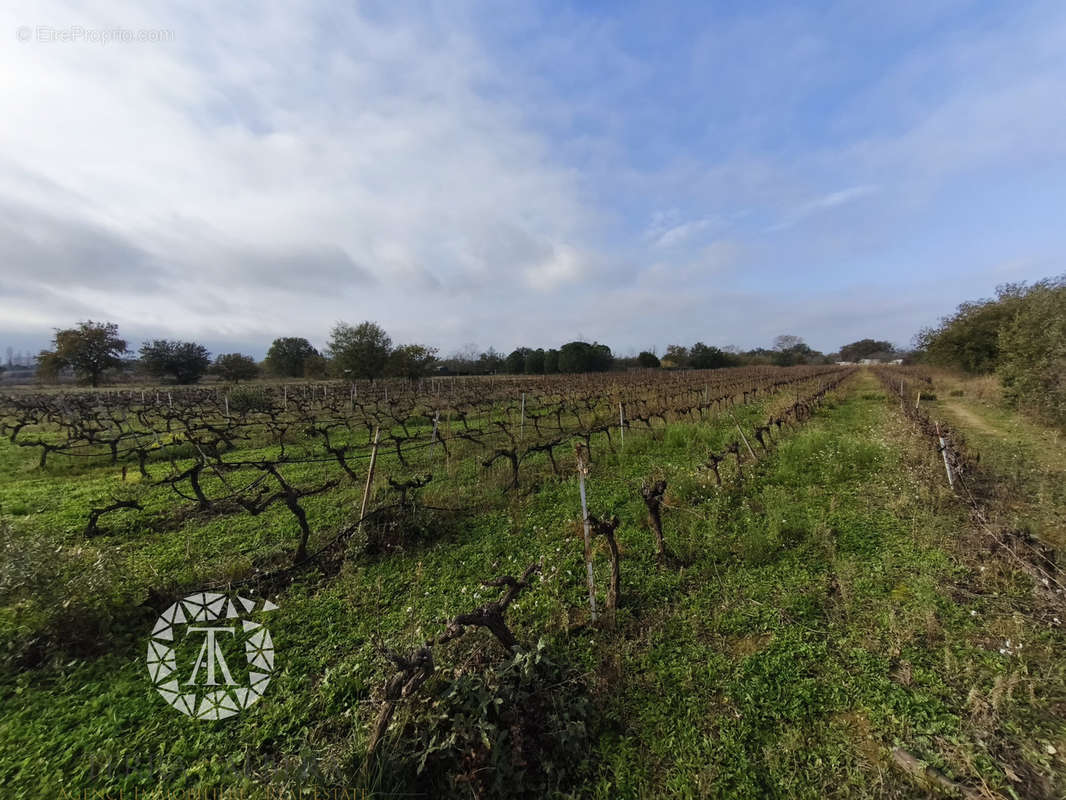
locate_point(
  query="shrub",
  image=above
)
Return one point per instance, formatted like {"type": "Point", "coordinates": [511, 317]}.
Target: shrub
{"type": "Point", "coordinates": [245, 399]}
{"type": "Point", "coordinates": [969, 338]}
{"type": "Point", "coordinates": [1033, 353]}
{"type": "Point", "coordinates": [519, 728]}
{"type": "Point", "coordinates": [54, 595]}
{"type": "Point", "coordinates": [398, 527]}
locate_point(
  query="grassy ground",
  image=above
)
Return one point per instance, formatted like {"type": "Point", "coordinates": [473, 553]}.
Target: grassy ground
{"type": "Point", "coordinates": [834, 604]}
{"type": "Point", "coordinates": [1028, 459]}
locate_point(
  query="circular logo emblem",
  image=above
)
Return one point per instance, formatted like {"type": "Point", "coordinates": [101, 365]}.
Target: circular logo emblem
{"type": "Point", "coordinates": [195, 654]}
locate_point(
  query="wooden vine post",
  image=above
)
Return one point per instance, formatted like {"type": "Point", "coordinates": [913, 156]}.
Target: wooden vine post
{"type": "Point", "coordinates": [582, 471]}
{"type": "Point", "coordinates": [944, 453]}
{"type": "Point", "coordinates": [744, 438]}
{"type": "Point", "coordinates": [369, 477]}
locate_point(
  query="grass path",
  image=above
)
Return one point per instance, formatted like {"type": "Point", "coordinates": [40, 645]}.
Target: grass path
{"type": "Point", "coordinates": [1027, 459]}
{"type": "Point", "coordinates": [971, 420]}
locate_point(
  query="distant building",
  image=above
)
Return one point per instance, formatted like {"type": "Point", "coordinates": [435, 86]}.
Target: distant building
{"type": "Point", "coordinates": [866, 362]}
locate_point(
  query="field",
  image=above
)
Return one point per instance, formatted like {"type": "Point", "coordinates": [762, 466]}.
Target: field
{"type": "Point", "coordinates": [825, 616]}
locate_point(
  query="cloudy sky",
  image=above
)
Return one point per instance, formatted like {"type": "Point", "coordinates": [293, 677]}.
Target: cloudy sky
{"type": "Point", "coordinates": [525, 173]}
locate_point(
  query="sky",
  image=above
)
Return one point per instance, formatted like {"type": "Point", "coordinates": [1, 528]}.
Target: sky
{"type": "Point", "coordinates": [525, 173]}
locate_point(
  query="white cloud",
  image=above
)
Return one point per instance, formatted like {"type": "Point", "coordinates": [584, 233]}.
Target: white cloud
{"type": "Point", "coordinates": [564, 265]}
{"type": "Point", "coordinates": [309, 153]}
{"type": "Point", "coordinates": [460, 172]}
{"type": "Point", "coordinates": [679, 234]}
{"type": "Point", "coordinates": [823, 203]}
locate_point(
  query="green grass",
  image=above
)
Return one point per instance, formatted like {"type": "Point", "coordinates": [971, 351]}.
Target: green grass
{"type": "Point", "coordinates": [1026, 458]}
{"type": "Point", "coordinates": [828, 611]}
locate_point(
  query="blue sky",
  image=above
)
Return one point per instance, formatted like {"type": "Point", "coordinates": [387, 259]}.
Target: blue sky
{"type": "Point", "coordinates": [527, 173]}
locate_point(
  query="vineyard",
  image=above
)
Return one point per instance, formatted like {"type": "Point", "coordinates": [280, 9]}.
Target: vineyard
{"type": "Point", "coordinates": [226, 451]}
{"type": "Point", "coordinates": [747, 582]}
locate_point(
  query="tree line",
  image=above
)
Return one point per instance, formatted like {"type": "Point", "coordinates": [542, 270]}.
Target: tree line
{"type": "Point", "coordinates": [1019, 335]}
{"type": "Point", "coordinates": [93, 350]}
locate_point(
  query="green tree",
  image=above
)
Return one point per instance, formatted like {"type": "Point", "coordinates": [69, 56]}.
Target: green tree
{"type": "Point", "coordinates": [969, 338]}
{"type": "Point", "coordinates": [534, 362]}
{"type": "Point", "coordinates": [235, 367]}
{"type": "Point", "coordinates": [648, 360]}
{"type": "Point", "coordinates": [515, 363]}
{"type": "Point", "coordinates": [758, 355]}
{"type": "Point", "coordinates": [359, 352]}
{"type": "Point", "coordinates": [411, 361]}
{"type": "Point", "coordinates": [864, 348]}
{"type": "Point", "coordinates": [184, 362]}
{"type": "Point", "coordinates": [585, 357]}
{"type": "Point", "coordinates": [89, 349]}
{"type": "Point", "coordinates": [551, 362]}
{"type": "Point", "coordinates": [701, 356]}
{"type": "Point", "coordinates": [1032, 352]}
{"type": "Point", "coordinates": [288, 356]}
{"type": "Point", "coordinates": [676, 357]}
